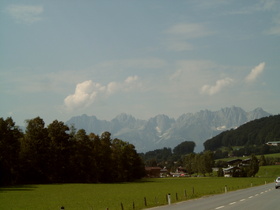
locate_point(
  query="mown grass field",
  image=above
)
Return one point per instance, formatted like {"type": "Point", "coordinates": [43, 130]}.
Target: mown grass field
{"type": "Point", "coordinates": [103, 196]}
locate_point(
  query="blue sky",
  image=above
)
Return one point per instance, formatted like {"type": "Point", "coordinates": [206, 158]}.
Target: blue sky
{"type": "Point", "coordinates": [60, 59]}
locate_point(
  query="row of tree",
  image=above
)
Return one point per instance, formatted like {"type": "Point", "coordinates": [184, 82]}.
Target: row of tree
{"type": "Point", "coordinates": [246, 151]}
{"type": "Point", "coordinates": [58, 154]}
{"type": "Point", "coordinates": [183, 157]}
{"type": "Point", "coordinates": [203, 163]}
{"type": "Point", "coordinates": [161, 156]}
{"type": "Point", "coordinates": [199, 163]}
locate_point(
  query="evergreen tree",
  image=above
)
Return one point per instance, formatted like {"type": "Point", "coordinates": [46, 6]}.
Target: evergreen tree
{"type": "Point", "coordinates": [9, 151]}
{"type": "Point", "coordinates": [35, 152]}
{"type": "Point", "coordinates": [253, 167]}
{"type": "Point", "coordinates": [262, 161]}
{"type": "Point", "coordinates": [59, 152]}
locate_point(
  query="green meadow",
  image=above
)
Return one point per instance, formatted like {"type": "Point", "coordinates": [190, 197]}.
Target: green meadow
{"type": "Point", "coordinates": [137, 195]}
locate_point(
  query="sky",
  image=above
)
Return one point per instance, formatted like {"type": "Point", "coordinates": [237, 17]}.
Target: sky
{"type": "Point", "coordinates": [66, 58]}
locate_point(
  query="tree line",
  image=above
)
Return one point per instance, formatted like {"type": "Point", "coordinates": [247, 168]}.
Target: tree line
{"type": "Point", "coordinates": [166, 157]}
{"type": "Point", "coordinates": [60, 154]}
{"type": "Point", "coordinates": [182, 157]}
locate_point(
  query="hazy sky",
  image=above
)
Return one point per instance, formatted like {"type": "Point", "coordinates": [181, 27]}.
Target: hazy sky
{"type": "Point", "coordinates": [64, 58]}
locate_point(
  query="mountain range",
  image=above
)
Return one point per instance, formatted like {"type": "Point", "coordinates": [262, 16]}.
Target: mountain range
{"type": "Point", "coordinates": [162, 131]}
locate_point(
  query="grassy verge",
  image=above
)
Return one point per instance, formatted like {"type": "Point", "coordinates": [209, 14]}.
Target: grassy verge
{"type": "Point", "coordinates": [269, 171]}
{"type": "Point", "coordinates": [112, 196]}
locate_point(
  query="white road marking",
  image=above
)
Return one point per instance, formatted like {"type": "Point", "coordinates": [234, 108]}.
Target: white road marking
{"type": "Point", "coordinates": [220, 207]}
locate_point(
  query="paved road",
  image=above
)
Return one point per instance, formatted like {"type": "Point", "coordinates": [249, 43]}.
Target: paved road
{"type": "Point", "coordinates": [254, 198]}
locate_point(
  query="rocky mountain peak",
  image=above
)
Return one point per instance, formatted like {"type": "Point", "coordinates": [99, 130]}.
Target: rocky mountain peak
{"type": "Point", "coordinates": [162, 131]}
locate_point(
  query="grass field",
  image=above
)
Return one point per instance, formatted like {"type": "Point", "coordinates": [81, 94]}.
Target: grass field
{"type": "Point", "coordinates": [269, 171]}
{"type": "Point", "coordinates": [103, 196]}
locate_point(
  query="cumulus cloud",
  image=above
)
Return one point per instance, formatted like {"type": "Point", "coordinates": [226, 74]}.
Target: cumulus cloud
{"type": "Point", "coordinates": [220, 84]}
{"type": "Point", "coordinates": [255, 72]}
{"type": "Point", "coordinates": [25, 13]}
{"type": "Point", "coordinates": [87, 92]}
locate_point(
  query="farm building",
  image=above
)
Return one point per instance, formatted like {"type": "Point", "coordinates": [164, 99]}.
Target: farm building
{"type": "Point", "coordinates": [153, 172]}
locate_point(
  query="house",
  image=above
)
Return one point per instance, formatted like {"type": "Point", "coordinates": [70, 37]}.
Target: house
{"type": "Point", "coordinates": [230, 171]}
{"type": "Point", "coordinates": [235, 167]}
{"type": "Point", "coordinates": [153, 172]}
{"type": "Point", "coordinates": [246, 162]}
{"type": "Point", "coordinates": [273, 143]}
{"type": "Point", "coordinates": [234, 162]}
{"type": "Point", "coordinates": [164, 172]}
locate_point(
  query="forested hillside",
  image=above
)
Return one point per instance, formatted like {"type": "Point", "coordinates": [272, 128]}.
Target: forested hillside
{"type": "Point", "coordinates": [59, 154]}
{"type": "Point", "coordinates": [255, 133]}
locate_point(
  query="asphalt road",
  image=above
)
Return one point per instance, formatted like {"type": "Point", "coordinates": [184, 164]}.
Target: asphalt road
{"type": "Point", "coordinates": [254, 198]}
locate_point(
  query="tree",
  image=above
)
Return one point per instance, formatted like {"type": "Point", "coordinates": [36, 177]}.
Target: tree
{"type": "Point", "coordinates": [190, 163]}
{"type": "Point", "coordinates": [59, 151]}
{"type": "Point", "coordinates": [208, 161]}
{"type": "Point", "coordinates": [262, 161]}
{"type": "Point", "coordinates": [9, 151]}
{"type": "Point", "coordinates": [83, 159]}
{"type": "Point", "coordinates": [184, 148]}
{"type": "Point", "coordinates": [199, 163]}
{"type": "Point", "coordinates": [131, 164]}
{"type": "Point", "coordinates": [105, 166]}
{"type": "Point", "coordinates": [35, 152]}
{"type": "Point", "coordinates": [97, 147]}
{"type": "Point", "coordinates": [57, 155]}
{"type": "Point", "coordinates": [158, 157]}
{"type": "Point", "coordinates": [253, 168]}
{"type": "Point", "coordinates": [220, 172]}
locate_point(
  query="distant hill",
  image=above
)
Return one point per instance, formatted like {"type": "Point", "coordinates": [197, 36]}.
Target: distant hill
{"type": "Point", "coordinates": [254, 133]}
{"type": "Point", "coordinates": [162, 131]}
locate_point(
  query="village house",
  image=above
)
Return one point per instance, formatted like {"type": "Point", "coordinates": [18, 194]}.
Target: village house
{"type": "Point", "coordinates": [153, 172]}
{"type": "Point", "coordinates": [156, 172]}
{"type": "Point", "coordinates": [273, 143]}
{"type": "Point", "coordinates": [235, 167]}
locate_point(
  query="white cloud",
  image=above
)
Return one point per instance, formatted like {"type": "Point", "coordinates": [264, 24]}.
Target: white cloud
{"type": "Point", "coordinates": [180, 34]}
{"type": "Point", "coordinates": [275, 30]}
{"type": "Point", "coordinates": [149, 63]}
{"type": "Point", "coordinates": [179, 45]}
{"type": "Point", "coordinates": [220, 84]}
{"type": "Point", "coordinates": [257, 6]}
{"type": "Point", "coordinates": [255, 72]}
{"type": "Point", "coordinates": [25, 13]}
{"type": "Point", "coordinates": [87, 92]}
{"type": "Point", "coordinates": [189, 30]}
